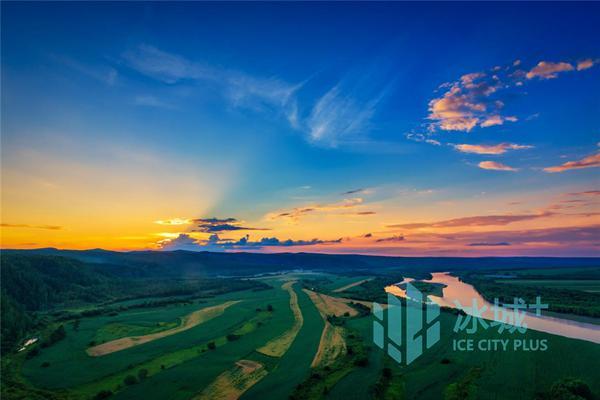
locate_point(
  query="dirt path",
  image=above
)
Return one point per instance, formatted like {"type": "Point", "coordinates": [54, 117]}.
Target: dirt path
{"type": "Point", "coordinates": [329, 305]}
{"type": "Point", "coordinates": [351, 285]}
{"type": "Point", "coordinates": [231, 384]}
{"type": "Point", "coordinates": [278, 346]}
{"type": "Point", "coordinates": [188, 322]}
{"type": "Point", "coordinates": [332, 343]}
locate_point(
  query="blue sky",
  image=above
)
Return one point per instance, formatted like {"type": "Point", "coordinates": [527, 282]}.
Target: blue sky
{"type": "Point", "coordinates": [247, 109]}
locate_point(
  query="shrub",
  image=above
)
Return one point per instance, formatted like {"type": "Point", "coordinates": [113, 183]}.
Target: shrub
{"type": "Point", "coordinates": [270, 308]}
{"type": "Point", "coordinates": [33, 353]}
{"type": "Point", "coordinates": [231, 337]}
{"type": "Point", "coordinates": [103, 394]}
{"type": "Point", "coordinates": [362, 362]}
{"type": "Point", "coordinates": [142, 374]}
{"type": "Point", "coordinates": [212, 345]}
{"type": "Point", "coordinates": [130, 380]}
{"type": "Point", "coordinates": [570, 388]}
{"type": "Point", "coordinates": [45, 364]}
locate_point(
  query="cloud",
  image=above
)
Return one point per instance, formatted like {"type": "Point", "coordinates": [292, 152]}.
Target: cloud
{"type": "Point", "coordinates": [547, 236]}
{"type": "Point", "coordinates": [49, 227]}
{"type": "Point", "coordinates": [390, 239]}
{"type": "Point", "coordinates": [495, 166]}
{"type": "Point", "coordinates": [174, 221]}
{"type": "Point", "coordinates": [587, 162]}
{"type": "Point", "coordinates": [211, 225]}
{"type": "Point", "coordinates": [585, 193]}
{"type": "Point", "coordinates": [240, 89]}
{"type": "Point", "coordinates": [500, 148]}
{"type": "Point", "coordinates": [585, 64]}
{"type": "Point", "coordinates": [181, 242]}
{"type": "Point", "coordinates": [166, 67]}
{"type": "Point", "coordinates": [548, 70]}
{"type": "Point", "coordinates": [485, 244]}
{"type": "Point", "coordinates": [480, 220]}
{"type": "Point", "coordinates": [214, 243]}
{"type": "Point", "coordinates": [354, 191]}
{"type": "Point", "coordinates": [296, 213]}
{"type": "Point", "coordinates": [338, 116]}
{"type": "Point", "coordinates": [467, 104]}
{"type": "Point", "coordinates": [365, 213]}
{"type": "Point", "coordinates": [151, 101]}
{"type": "Point", "coordinates": [474, 99]}
{"type": "Point", "coordinates": [214, 220]}
{"type": "Point", "coordinates": [104, 74]}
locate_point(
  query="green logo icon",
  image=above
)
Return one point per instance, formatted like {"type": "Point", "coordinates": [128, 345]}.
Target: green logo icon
{"type": "Point", "coordinates": [420, 320]}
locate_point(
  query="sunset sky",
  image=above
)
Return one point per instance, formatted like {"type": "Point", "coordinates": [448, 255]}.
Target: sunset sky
{"type": "Point", "coordinates": [391, 129]}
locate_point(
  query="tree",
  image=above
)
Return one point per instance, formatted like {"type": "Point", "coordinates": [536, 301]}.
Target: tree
{"type": "Point", "coordinates": [212, 345]}
{"type": "Point", "coordinates": [103, 394]}
{"type": "Point", "coordinates": [232, 336]}
{"type": "Point", "coordinates": [142, 374]}
{"type": "Point", "coordinates": [269, 308]}
{"type": "Point", "coordinates": [570, 389]}
{"type": "Point", "coordinates": [130, 380]}
{"type": "Point", "coordinates": [45, 364]}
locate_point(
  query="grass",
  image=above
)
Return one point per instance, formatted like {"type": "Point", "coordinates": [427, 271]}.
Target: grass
{"type": "Point", "coordinates": [187, 322]}
{"type": "Point", "coordinates": [192, 369]}
{"type": "Point", "coordinates": [332, 344]}
{"type": "Point", "coordinates": [157, 365]}
{"type": "Point", "coordinates": [278, 346]}
{"type": "Point", "coordinates": [351, 285]}
{"type": "Point", "coordinates": [503, 374]}
{"type": "Point", "coordinates": [71, 366]}
{"type": "Point", "coordinates": [293, 368]}
{"type": "Point", "coordinates": [358, 383]}
{"type": "Point", "coordinates": [583, 285]}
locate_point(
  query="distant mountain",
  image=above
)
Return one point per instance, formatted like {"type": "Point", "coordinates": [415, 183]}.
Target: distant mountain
{"type": "Point", "coordinates": [182, 263]}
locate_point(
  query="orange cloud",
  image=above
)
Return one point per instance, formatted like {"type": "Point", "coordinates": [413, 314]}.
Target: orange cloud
{"type": "Point", "coordinates": [496, 166]}
{"type": "Point", "coordinates": [479, 220]}
{"type": "Point", "coordinates": [585, 64]}
{"type": "Point", "coordinates": [587, 162]}
{"type": "Point", "coordinates": [296, 213]}
{"type": "Point", "coordinates": [500, 148]}
{"type": "Point", "coordinates": [49, 227]}
{"type": "Point", "coordinates": [548, 70]}
{"type": "Point", "coordinates": [174, 221]}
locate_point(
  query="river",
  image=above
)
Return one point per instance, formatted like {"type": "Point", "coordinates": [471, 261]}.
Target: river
{"type": "Point", "coordinates": [464, 293]}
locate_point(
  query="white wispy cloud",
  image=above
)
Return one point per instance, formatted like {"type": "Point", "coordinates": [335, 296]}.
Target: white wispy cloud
{"type": "Point", "coordinates": [102, 73]}
{"type": "Point", "coordinates": [151, 101]}
{"type": "Point", "coordinates": [239, 88]}
{"type": "Point", "coordinates": [340, 115]}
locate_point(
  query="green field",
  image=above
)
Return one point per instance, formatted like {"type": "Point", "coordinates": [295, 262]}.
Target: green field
{"type": "Point", "coordinates": [583, 285]}
{"type": "Point", "coordinates": [182, 365]}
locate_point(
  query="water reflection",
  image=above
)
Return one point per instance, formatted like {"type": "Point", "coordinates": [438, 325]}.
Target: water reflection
{"type": "Point", "coordinates": [456, 290]}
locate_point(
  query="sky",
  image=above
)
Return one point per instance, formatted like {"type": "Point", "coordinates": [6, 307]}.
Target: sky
{"type": "Point", "coordinates": [440, 129]}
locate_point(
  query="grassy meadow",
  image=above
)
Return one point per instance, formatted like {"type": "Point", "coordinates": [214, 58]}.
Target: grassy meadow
{"type": "Point", "coordinates": [300, 338]}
